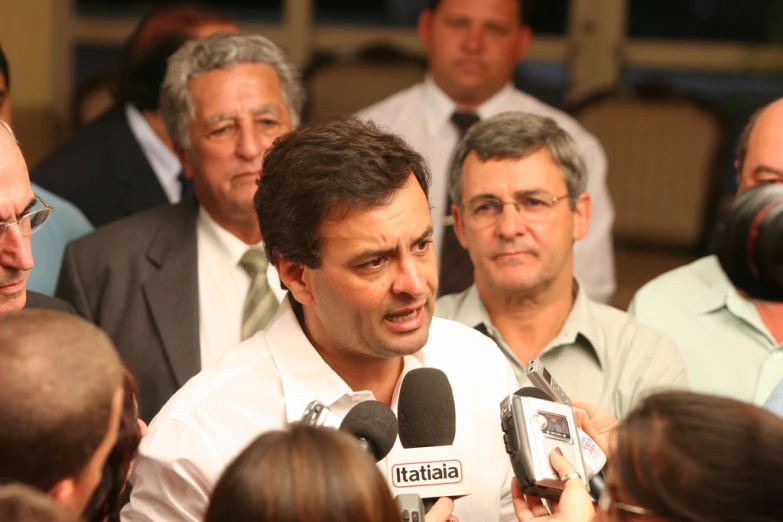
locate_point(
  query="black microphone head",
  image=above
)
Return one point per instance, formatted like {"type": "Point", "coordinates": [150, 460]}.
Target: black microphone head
{"type": "Point", "coordinates": [529, 391]}
{"type": "Point", "coordinates": [374, 423]}
{"type": "Point", "coordinates": [426, 411]}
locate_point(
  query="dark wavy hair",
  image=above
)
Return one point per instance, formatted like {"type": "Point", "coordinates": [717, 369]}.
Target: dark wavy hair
{"type": "Point", "coordinates": [303, 473]}
{"type": "Point", "coordinates": [691, 457]}
{"type": "Point", "coordinates": [107, 499]}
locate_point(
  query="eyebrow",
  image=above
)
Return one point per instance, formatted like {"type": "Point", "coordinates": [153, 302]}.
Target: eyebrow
{"type": "Point", "coordinates": [25, 210]}
{"type": "Point", "coordinates": [764, 169]}
{"type": "Point", "coordinates": [265, 109]}
{"type": "Point", "coordinates": [517, 194]}
{"type": "Point", "coordinates": [372, 254]}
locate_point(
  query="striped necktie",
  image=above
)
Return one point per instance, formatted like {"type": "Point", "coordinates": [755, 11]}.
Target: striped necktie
{"type": "Point", "coordinates": [260, 302]}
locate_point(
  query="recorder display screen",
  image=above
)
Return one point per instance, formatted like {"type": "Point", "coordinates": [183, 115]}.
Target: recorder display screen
{"type": "Point", "coordinates": [556, 426]}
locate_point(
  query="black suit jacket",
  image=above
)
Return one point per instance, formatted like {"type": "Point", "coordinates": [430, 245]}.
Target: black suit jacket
{"type": "Point", "coordinates": [102, 170]}
{"type": "Point", "coordinates": [137, 278]}
{"type": "Point", "coordinates": [36, 300]}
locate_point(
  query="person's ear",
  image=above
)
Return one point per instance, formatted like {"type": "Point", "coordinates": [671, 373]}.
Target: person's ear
{"type": "Point", "coordinates": [424, 27]}
{"type": "Point", "coordinates": [64, 493]}
{"type": "Point", "coordinates": [523, 43]}
{"type": "Point", "coordinates": [582, 212]}
{"type": "Point", "coordinates": [459, 225]}
{"type": "Point", "coordinates": [184, 160]}
{"type": "Point", "coordinates": [296, 277]}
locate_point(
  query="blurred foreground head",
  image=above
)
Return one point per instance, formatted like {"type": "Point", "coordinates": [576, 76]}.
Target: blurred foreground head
{"type": "Point", "coordinates": [303, 473]}
{"type": "Point", "coordinates": [692, 457]}
{"type": "Point", "coordinates": [61, 403]}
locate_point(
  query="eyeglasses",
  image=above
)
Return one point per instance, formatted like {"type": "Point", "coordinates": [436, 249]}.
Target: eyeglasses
{"type": "Point", "coordinates": [617, 510]}
{"type": "Point", "coordinates": [30, 221]}
{"type": "Point", "coordinates": [534, 207]}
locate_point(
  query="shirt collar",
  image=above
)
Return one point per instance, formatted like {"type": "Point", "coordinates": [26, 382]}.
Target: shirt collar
{"type": "Point", "coordinates": [163, 160]}
{"type": "Point", "coordinates": [306, 377]}
{"type": "Point", "coordinates": [580, 321]}
{"type": "Point", "coordinates": [439, 107]}
{"type": "Point", "coordinates": [227, 249]}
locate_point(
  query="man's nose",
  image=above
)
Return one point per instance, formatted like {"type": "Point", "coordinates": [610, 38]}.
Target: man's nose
{"type": "Point", "coordinates": [409, 280]}
{"type": "Point", "coordinates": [249, 143]}
{"type": "Point", "coordinates": [15, 250]}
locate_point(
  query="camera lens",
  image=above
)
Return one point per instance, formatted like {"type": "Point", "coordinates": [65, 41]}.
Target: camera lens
{"type": "Point", "coordinates": [750, 243]}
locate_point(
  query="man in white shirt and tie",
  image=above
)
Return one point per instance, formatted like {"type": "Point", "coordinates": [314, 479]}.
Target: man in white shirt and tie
{"type": "Point", "coordinates": [177, 286]}
{"type": "Point", "coordinates": [473, 47]}
{"type": "Point", "coordinates": [346, 221]}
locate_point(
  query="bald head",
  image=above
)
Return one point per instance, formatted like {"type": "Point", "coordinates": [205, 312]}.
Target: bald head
{"type": "Point", "coordinates": [60, 377]}
{"type": "Point", "coordinates": [760, 148]}
{"type": "Point", "coordinates": [16, 197]}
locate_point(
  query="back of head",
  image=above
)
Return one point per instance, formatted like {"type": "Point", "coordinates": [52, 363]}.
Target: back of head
{"type": "Point", "coordinates": [304, 473]}
{"type": "Point", "coordinates": [158, 35]}
{"type": "Point", "coordinates": [695, 457]}
{"type": "Point", "coordinates": [321, 171]}
{"type": "Point", "coordinates": [60, 374]}
{"type": "Point", "coordinates": [20, 503]}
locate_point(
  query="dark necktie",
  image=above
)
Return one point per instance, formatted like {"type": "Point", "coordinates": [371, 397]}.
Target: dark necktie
{"type": "Point", "coordinates": [456, 269]}
{"type": "Point", "coordinates": [185, 185]}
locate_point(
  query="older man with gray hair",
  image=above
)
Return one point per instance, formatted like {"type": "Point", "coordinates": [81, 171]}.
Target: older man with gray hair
{"type": "Point", "coordinates": [518, 185]}
{"type": "Point", "coordinates": [177, 286]}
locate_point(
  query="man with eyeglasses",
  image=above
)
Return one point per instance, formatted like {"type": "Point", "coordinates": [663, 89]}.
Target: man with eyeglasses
{"type": "Point", "coordinates": [21, 214]}
{"type": "Point", "coordinates": [518, 182]}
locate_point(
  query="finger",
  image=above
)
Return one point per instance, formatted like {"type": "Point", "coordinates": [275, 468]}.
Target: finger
{"type": "Point", "coordinates": [590, 409]}
{"type": "Point", "coordinates": [583, 421]}
{"type": "Point", "coordinates": [523, 507]}
{"type": "Point", "coordinates": [441, 511]}
{"type": "Point", "coordinates": [559, 463]}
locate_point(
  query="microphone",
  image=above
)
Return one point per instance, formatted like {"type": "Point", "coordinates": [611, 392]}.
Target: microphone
{"type": "Point", "coordinates": [428, 465]}
{"type": "Point", "coordinates": [427, 415]}
{"type": "Point", "coordinates": [374, 424]}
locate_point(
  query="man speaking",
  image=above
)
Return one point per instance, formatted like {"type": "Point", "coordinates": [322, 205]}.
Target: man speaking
{"type": "Point", "coordinates": [344, 213]}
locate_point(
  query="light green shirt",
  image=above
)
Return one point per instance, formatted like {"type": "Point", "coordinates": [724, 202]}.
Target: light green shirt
{"type": "Point", "coordinates": [601, 355]}
{"type": "Point", "coordinates": [726, 346]}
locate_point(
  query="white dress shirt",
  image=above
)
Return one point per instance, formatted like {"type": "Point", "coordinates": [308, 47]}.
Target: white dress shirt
{"type": "Point", "coordinates": [268, 380]}
{"type": "Point", "coordinates": [422, 115]}
{"type": "Point", "coordinates": [162, 159]}
{"type": "Point", "coordinates": [222, 287]}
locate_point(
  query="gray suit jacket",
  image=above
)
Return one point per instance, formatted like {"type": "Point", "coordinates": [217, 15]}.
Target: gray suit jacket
{"type": "Point", "coordinates": [137, 278]}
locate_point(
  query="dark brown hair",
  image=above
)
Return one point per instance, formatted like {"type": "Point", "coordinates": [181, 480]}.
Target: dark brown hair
{"type": "Point", "coordinates": [303, 473]}
{"type": "Point", "coordinates": [105, 503]}
{"type": "Point", "coordinates": [59, 375]}
{"type": "Point", "coordinates": [691, 457]}
{"type": "Point", "coordinates": [323, 170]}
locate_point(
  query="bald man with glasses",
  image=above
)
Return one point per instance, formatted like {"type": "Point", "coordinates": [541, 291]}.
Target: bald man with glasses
{"type": "Point", "coordinates": [21, 214]}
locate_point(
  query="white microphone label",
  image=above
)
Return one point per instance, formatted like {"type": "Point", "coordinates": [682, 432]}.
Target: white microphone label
{"type": "Point", "coordinates": [432, 472]}
{"type": "Point", "coordinates": [414, 474]}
